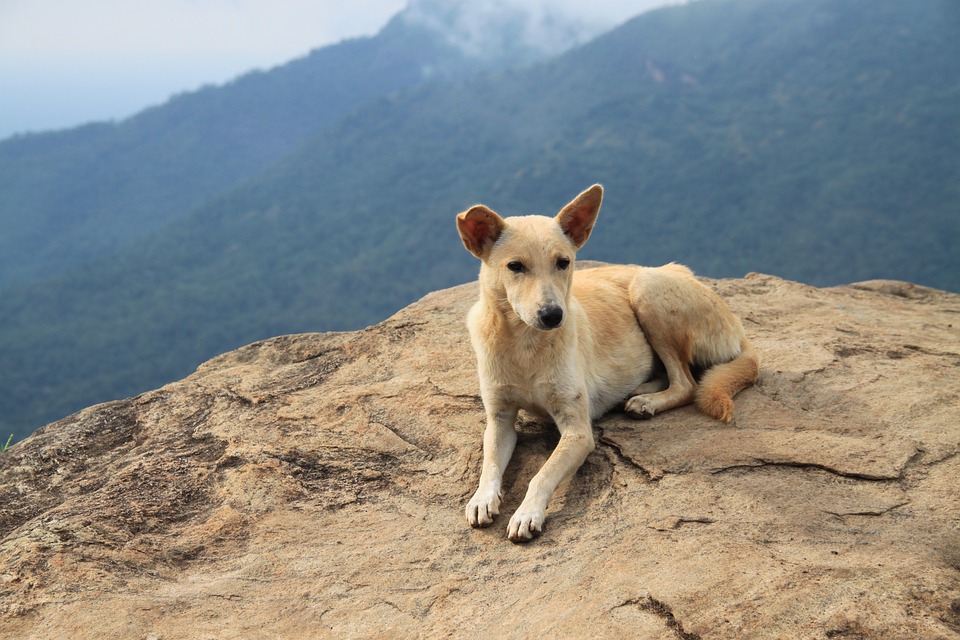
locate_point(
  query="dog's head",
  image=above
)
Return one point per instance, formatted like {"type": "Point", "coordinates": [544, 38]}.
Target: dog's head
{"type": "Point", "coordinates": [528, 260]}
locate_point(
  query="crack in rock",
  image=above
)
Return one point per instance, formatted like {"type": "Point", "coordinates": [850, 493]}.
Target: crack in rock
{"type": "Point", "coordinates": [675, 522]}
{"type": "Point", "coordinates": [761, 463]}
{"type": "Point", "coordinates": [652, 476]}
{"type": "Point", "coordinates": [843, 515]}
{"type": "Point", "coordinates": [649, 604]}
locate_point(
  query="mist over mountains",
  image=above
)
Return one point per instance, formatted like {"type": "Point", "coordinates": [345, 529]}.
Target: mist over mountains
{"type": "Point", "coordinates": [812, 139]}
{"type": "Point", "coordinates": [510, 32]}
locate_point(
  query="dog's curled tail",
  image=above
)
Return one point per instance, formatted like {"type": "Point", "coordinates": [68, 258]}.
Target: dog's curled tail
{"type": "Point", "coordinates": [723, 381]}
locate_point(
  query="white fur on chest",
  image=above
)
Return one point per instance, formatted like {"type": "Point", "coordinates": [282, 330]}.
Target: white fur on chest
{"type": "Point", "coordinates": [541, 371]}
{"type": "Point", "coordinates": [534, 378]}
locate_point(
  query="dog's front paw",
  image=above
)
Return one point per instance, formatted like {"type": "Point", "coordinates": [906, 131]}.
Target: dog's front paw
{"type": "Point", "coordinates": [525, 525]}
{"type": "Point", "coordinates": [483, 507]}
{"type": "Point", "coordinates": [640, 407]}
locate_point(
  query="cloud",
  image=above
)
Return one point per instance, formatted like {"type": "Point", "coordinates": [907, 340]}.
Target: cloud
{"type": "Point", "coordinates": [494, 28]}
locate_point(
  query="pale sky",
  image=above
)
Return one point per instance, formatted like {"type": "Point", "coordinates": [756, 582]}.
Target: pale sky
{"type": "Point", "coordinates": [66, 62]}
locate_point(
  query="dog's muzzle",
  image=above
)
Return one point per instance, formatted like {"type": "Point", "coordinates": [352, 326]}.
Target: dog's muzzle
{"type": "Point", "coordinates": [550, 317]}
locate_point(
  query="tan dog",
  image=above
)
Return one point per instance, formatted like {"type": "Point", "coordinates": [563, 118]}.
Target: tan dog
{"type": "Point", "coordinates": [571, 346]}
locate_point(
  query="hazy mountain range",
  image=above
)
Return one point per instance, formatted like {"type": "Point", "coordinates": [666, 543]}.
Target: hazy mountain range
{"type": "Point", "coordinates": [812, 139]}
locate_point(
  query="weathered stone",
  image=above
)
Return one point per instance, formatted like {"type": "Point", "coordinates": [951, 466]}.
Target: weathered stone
{"type": "Point", "coordinates": [313, 486]}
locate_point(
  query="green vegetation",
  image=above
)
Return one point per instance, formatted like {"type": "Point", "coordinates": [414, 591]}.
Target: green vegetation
{"type": "Point", "coordinates": [104, 185]}
{"type": "Point", "coordinates": [813, 139]}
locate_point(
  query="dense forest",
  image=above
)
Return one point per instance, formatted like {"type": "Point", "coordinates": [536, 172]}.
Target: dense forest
{"type": "Point", "coordinates": [813, 139]}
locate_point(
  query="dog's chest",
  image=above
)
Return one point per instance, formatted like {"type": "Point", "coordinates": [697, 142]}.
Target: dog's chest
{"type": "Point", "coordinates": [535, 379]}
{"type": "Point", "coordinates": [542, 378]}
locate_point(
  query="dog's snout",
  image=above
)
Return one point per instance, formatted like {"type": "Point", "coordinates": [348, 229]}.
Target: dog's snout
{"type": "Point", "coordinates": [550, 316]}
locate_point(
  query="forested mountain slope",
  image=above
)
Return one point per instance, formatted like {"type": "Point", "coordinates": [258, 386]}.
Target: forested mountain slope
{"type": "Point", "coordinates": [813, 139]}
{"type": "Point", "coordinates": [70, 196]}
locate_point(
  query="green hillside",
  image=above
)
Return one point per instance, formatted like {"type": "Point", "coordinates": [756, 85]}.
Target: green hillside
{"type": "Point", "coordinates": [813, 139]}
{"type": "Point", "coordinates": [70, 196]}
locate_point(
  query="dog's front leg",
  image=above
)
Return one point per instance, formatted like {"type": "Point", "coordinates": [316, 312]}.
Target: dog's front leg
{"type": "Point", "coordinates": [499, 439]}
{"type": "Point", "coordinates": [576, 443]}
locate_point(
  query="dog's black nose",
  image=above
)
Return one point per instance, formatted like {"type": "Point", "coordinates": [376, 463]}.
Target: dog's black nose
{"type": "Point", "coordinates": [550, 317]}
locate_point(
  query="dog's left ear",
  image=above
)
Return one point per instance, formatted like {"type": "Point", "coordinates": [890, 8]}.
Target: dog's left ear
{"type": "Point", "coordinates": [479, 228]}
{"type": "Point", "coordinates": [577, 218]}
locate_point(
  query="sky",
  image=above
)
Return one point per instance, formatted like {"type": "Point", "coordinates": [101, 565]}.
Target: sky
{"type": "Point", "coordinates": [68, 62]}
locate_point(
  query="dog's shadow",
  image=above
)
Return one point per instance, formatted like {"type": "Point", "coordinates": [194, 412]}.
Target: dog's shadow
{"type": "Point", "coordinates": [536, 440]}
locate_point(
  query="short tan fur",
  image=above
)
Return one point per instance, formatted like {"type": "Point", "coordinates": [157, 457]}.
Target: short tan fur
{"type": "Point", "coordinates": [570, 346]}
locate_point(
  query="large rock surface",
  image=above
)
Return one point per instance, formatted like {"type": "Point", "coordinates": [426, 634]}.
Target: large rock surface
{"type": "Point", "coordinates": [313, 486]}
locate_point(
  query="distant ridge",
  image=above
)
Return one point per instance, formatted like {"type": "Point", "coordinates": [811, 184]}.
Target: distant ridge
{"type": "Point", "coordinates": [70, 196]}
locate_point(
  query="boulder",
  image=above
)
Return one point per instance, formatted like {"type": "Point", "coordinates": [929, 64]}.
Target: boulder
{"type": "Point", "coordinates": [313, 486]}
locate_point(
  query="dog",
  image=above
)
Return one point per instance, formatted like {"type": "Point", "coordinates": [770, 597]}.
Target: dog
{"type": "Point", "coordinates": [570, 346]}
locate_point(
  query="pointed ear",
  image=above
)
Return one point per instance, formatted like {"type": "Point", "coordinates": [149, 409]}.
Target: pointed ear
{"type": "Point", "coordinates": [577, 218]}
{"type": "Point", "coordinates": [479, 228]}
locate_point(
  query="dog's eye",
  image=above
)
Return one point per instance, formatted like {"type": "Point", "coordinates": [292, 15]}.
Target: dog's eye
{"type": "Point", "coordinates": [516, 266]}
{"type": "Point", "coordinates": [563, 263]}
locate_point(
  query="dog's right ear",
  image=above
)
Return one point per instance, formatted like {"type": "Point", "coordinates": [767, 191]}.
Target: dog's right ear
{"type": "Point", "coordinates": [479, 228]}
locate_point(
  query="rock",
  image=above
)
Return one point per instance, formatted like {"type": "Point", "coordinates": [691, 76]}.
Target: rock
{"type": "Point", "coordinates": [312, 486]}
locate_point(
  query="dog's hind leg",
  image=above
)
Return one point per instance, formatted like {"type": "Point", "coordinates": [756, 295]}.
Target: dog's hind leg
{"type": "Point", "coordinates": [499, 439]}
{"type": "Point", "coordinates": [654, 385]}
{"type": "Point", "coordinates": [681, 389]}
{"type": "Point", "coordinates": [669, 304]}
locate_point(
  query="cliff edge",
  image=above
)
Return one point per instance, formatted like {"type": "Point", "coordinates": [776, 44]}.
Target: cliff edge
{"type": "Point", "coordinates": [313, 486]}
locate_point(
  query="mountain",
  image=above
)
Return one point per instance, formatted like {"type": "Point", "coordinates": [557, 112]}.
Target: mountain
{"type": "Point", "coordinates": [67, 197]}
{"type": "Point", "coordinates": [814, 139]}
